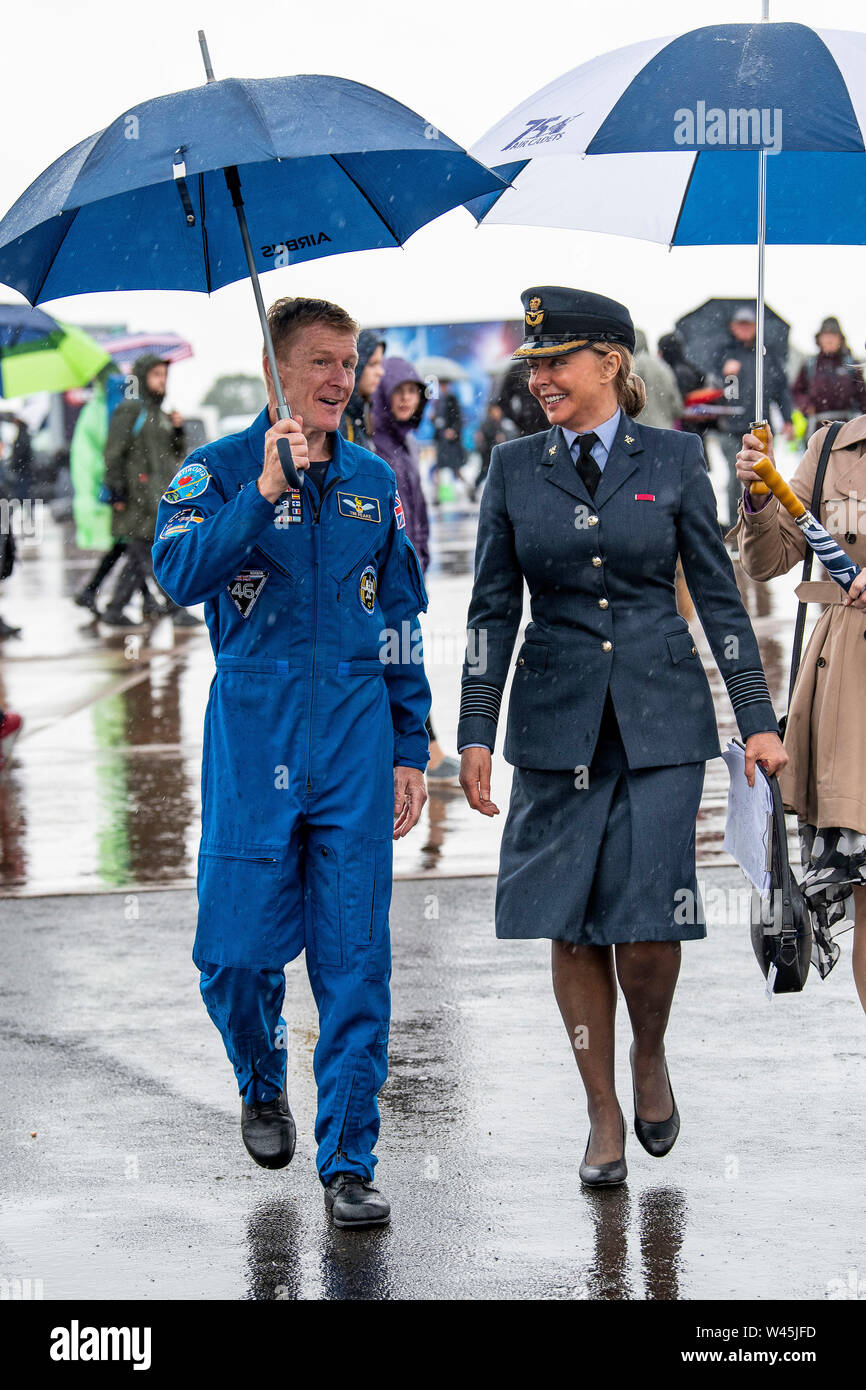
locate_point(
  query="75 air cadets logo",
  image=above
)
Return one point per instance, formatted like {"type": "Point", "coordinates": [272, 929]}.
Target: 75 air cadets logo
{"type": "Point", "coordinates": [360, 508]}
{"type": "Point", "coordinates": [367, 589]}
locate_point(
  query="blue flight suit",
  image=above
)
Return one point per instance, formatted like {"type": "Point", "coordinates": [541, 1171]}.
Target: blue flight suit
{"type": "Point", "coordinates": [312, 607]}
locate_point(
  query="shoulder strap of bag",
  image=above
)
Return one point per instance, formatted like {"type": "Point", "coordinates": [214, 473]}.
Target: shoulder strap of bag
{"type": "Point", "coordinates": [814, 507]}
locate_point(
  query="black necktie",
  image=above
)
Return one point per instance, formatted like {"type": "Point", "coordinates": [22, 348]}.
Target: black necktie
{"type": "Point", "coordinates": [586, 464]}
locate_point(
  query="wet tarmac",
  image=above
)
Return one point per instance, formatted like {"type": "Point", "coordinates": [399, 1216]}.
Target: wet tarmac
{"type": "Point", "coordinates": [103, 788]}
{"type": "Point", "coordinates": [124, 1176]}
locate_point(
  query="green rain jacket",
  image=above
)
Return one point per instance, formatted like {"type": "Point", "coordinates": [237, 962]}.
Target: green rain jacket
{"type": "Point", "coordinates": [87, 469]}
{"type": "Point", "coordinates": [142, 455]}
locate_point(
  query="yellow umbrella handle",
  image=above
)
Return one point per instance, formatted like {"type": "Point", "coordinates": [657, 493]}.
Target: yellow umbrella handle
{"type": "Point", "coordinates": [779, 488]}
{"type": "Point", "coordinates": [761, 428]}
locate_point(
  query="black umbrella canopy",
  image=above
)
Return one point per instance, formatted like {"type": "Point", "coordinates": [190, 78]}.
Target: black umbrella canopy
{"type": "Point", "coordinates": [704, 331]}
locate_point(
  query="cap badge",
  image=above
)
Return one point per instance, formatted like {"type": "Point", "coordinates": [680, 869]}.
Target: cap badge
{"type": "Point", "coordinates": [534, 313]}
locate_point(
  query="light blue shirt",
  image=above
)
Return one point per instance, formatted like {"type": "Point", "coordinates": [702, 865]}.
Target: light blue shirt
{"type": "Point", "coordinates": [606, 432]}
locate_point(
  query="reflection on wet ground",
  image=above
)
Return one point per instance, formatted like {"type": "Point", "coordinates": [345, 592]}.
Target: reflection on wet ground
{"type": "Point", "coordinates": [103, 787]}
{"type": "Point", "coordinates": [133, 1182]}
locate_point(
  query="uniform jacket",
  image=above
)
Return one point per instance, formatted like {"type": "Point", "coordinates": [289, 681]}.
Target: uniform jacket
{"type": "Point", "coordinates": [142, 452]}
{"type": "Point", "coordinates": [312, 619]}
{"type": "Point", "coordinates": [825, 734]}
{"type": "Point", "coordinates": [601, 578]}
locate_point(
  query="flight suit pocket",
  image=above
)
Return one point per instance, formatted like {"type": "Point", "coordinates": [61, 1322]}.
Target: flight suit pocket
{"type": "Point", "coordinates": [367, 901]}
{"type": "Point", "coordinates": [414, 575]}
{"type": "Point", "coordinates": [681, 646]}
{"type": "Point", "coordinates": [323, 903]}
{"type": "Point", "coordinates": [238, 902]}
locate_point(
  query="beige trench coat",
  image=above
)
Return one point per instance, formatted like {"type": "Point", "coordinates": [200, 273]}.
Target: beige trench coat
{"type": "Point", "coordinates": [825, 736]}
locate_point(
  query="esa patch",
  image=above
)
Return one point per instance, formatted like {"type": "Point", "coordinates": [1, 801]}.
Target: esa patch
{"type": "Point", "coordinates": [398, 512]}
{"type": "Point", "coordinates": [367, 589]}
{"type": "Point", "coordinates": [245, 589]}
{"type": "Point", "coordinates": [289, 508]}
{"type": "Point", "coordinates": [190, 481]}
{"type": "Point", "coordinates": [361, 508]}
{"type": "Point", "coordinates": [181, 522]}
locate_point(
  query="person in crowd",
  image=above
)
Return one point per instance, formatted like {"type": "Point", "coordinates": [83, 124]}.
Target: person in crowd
{"type": "Point", "coordinates": [93, 517]}
{"type": "Point", "coordinates": [448, 434]}
{"type": "Point", "coordinates": [825, 732]}
{"type": "Point", "coordinates": [7, 551]}
{"type": "Point", "coordinates": [494, 429]}
{"type": "Point", "coordinates": [829, 385]}
{"type": "Point", "coordinates": [611, 718]}
{"type": "Point", "coordinates": [397, 409]}
{"type": "Point", "coordinates": [664, 402]}
{"type": "Point", "coordinates": [19, 467]}
{"type": "Point", "coordinates": [736, 366]}
{"type": "Point", "coordinates": [672, 351]}
{"type": "Point", "coordinates": [10, 727]}
{"type": "Point", "coordinates": [517, 402]}
{"type": "Point", "coordinates": [143, 449]}
{"type": "Point", "coordinates": [314, 746]}
{"type": "Point", "coordinates": [356, 425]}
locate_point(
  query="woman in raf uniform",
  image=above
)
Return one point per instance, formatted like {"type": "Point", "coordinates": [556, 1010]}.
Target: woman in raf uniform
{"type": "Point", "coordinates": [610, 718]}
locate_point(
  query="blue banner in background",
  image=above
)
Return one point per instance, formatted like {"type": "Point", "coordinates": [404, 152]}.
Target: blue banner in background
{"type": "Point", "coordinates": [481, 350]}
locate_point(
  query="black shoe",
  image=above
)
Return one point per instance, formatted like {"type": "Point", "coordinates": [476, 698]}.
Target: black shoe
{"type": "Point", "coordinates": [354, 1201]}
{"type": "Point", "coordinates": [86, 599]}
{"type": "Point", "coordinates": [7, 631]}
{"type": "Point", "coordinates": [268, 1131]}
{"type": "Point", "coordinates": [182, 618]}
{"type": "Point", "coordinates": [120, 621]}
{"type": "Point", "coordinates": [657, 1136]}
{"type": "Point", "coordinates": [604, 1174]}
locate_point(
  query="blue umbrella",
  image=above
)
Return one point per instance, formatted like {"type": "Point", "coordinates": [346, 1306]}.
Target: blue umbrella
{"type": "Point", "coordinates": [726, 135]}
{"type": "Point", "coordinates": [300, 166]}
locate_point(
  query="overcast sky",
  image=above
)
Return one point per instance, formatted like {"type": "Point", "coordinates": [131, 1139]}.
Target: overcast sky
{"type": "Point", "coordinates": [69, 70]}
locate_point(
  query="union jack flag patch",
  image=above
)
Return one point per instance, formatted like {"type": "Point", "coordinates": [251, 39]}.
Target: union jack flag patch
{"type": "Point", "coordinates": [398, 513]}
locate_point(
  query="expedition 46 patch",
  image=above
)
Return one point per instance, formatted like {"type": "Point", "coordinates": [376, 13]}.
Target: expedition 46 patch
{"type": "Point", "coordinates": [245, 589]}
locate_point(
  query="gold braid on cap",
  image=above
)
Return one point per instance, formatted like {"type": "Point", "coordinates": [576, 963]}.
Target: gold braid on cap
{"type": "Point", "coordinates": [553, 351]}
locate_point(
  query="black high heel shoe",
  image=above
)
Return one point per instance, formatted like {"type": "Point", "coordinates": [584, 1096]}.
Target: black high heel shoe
{"type": "Point", "coordinates": [657, 1136]}
{"type": "Point", "coordinates": [604, 1174]}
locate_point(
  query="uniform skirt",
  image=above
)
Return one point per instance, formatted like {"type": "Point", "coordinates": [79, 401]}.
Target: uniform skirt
{"type": "Point", "coordinates": [604, 854]}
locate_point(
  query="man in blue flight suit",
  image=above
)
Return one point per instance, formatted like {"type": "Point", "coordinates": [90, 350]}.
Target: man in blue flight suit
{"type": "Point", "coordinates": [314, 743]}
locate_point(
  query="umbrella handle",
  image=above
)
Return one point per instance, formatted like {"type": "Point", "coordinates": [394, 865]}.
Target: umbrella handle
{"type": "Point", "coordinates": [290, 472]}
{"type": "Point", "coordinates": [779, 488]}
{"type": "Point", "coordinates": [761, 429]}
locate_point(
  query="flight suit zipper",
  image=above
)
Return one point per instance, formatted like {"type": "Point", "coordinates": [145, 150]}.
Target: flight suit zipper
{"type": "Point", "coordinates": [340, 1151]}
{"type": "Point", "coordinates": [316, 513]}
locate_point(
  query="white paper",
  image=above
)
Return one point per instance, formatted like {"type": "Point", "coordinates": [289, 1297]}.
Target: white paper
{"type": "Point", "coordinates": [747, 824]}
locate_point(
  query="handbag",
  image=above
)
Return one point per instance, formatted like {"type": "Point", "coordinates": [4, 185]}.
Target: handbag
{"type": "Point", "coordinates": [783, 945]}
{"type": "Point", "coordinates": [814, 508]}
{"type": "Point", "coordinates": [782, 942]}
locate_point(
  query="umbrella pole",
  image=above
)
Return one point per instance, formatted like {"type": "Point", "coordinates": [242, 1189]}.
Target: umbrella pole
{"type": "Point", "coordinates": [760, 426]}
{"type": "Point", "coordinates": [759, 315]}
{"type": "Point", "coordinates": [233, 183]}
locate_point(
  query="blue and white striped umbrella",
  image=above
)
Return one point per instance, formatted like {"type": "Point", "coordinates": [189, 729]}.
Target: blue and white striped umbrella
{"type": "Point", "coordinates": [730, 134]}
{"type": "Point", "coordinates": [664, 118]}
